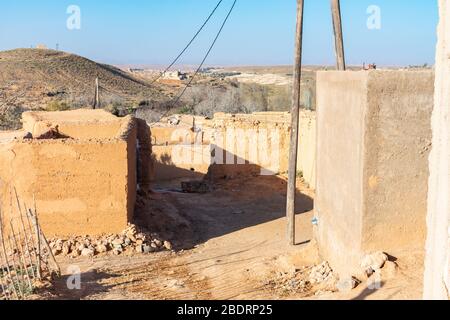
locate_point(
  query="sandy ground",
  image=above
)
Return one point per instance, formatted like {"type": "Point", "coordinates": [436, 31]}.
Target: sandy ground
{"type": "Point", "coordinates": [234, 248]}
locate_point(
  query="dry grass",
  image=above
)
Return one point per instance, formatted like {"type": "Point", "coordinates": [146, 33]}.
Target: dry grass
{"type": "Point", "coordinates": [51, 76]}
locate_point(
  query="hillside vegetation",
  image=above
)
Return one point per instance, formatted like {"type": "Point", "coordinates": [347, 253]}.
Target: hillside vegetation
{"type": "Point", "coordinates": [42, 79]}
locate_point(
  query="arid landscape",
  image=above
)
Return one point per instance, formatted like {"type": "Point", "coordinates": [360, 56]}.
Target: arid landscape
{"type": "Point", "coordinates": [217, 239]}
{"type": "Point", "coordinates": [240, 173]}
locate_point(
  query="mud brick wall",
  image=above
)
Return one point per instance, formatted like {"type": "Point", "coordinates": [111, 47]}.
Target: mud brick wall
{"type": "Point", "coordinates": [82, 184]}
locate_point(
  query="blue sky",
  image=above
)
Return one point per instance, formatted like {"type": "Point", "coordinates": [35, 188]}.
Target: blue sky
{"type": "Point", "coordinates": [260, 32]}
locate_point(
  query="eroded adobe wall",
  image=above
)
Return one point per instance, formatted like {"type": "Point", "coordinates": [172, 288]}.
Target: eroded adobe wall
{"type": "Point", "coordinates": [76, 124]}
{"type": "Point", "coordinates": [236, 145]}
{"type": "Point", "coordinates": [250, 143]}
{"type": "Point", "coordinates": [374, 138]}
{"type": "Point", "coordinates": [179, 151]}
{"type": "Point", "coordinates": [81, 186]}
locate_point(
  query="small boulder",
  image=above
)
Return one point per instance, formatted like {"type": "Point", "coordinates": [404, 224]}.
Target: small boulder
{"type": "Point", "coordinates": [87, 252]}
{"type": "Point", "coordinates": [373, 262]}
{"type": "Point", "coordinates": [147, 249]}
{"type": "Point", "coordinates": [117, 251]}
{"type": "Point", "coordinates": [139, 248]}
{"type": "Point", "coordinates": [168, 245]}
{"type": "Point", "coordinates": [158, 243]}
{"type": "Point", "coordinates": [101, 248]}
{"type": "Point", "coordinates": [66, 248]}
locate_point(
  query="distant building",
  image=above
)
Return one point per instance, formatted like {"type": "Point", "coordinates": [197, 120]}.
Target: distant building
{"type": "Point", "coordinates": [41, 46]}
{"type": "Point", "coordinates": [175, 75]}
{"type": "Point", "coordinates": [132, 70]}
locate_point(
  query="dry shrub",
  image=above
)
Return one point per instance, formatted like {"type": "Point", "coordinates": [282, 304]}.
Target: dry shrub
{"type": "Point", "coordinates": [56, 105]}
{"type": "Point", "coordinates": [10, 118]}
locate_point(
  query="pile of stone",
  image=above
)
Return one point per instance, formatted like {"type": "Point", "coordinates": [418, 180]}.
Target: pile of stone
{"type": "Point", "coordinates": [286, 284]}
{"type": "Point", "coordinates": [321, 273]}
{"type": "Point", "coordinates": [372, 263]}
{"type": "Point", "coordinates": [130, 240]}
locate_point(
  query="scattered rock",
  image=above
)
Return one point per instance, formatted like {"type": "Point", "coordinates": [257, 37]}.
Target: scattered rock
{"type": "Point", "coordinates": [118, 242]}
{"type": "Point", "coordinates": [129, 240]}
{"type": "Point", "coordinates": [373, 262]}
{"type": "Point", "coordinates": [158, 243]}
{"type": "Point", "coordinates": [66, 248]}
{"type": "Point", "coordinates": [174, 121]}
{"type": "Point", "coordinates": [101, 248]}
{"type": "Point", "coordinates": [320, 273]}
{"type": "Point", "coordinates": [195, 187]}
{"type": "Point", "coordinates": [27, 135]}
{"type": "Point", "coordinates": [87, 252]}
{"type": "Point", "coordinates": [168, 245]}
{"type": "Point", "coordinates": [177, 284]}
{"type": "Point", "coordinates": [348, 284]}
{"type": "Point", "coordinates": [117, 251]}
{"type": "Point", "coordinates": [147, 249]}
{"type": "Point", "coordinates": [75, 253]}
{"type": "Point", "coordinates": [139, 248]}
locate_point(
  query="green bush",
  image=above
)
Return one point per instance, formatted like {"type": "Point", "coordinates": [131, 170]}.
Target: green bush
{"type": "Point", "coordinates": [57, 106]}
{"type": "Point", "coordinates": [186, 110]}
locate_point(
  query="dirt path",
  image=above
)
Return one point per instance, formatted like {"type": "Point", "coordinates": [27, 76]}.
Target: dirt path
{"type": "Point", "coordinates": [234, 246]}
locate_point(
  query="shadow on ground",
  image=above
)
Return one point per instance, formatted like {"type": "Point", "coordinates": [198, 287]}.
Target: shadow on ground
{"type": "Point", "coordinates": [240, 199]}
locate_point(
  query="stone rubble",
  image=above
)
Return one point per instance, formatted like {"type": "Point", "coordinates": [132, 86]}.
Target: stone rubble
{"type": "Point", "coordinates": [286, 284]}
{"type": "Point", "coordinates": [130, 240]}
{"type": "Point", "coordinates": [372, 263]}
{"type": "Point", "coordinates": [321, 273]}
{"type": "Point", "coordinates": [305, 281]}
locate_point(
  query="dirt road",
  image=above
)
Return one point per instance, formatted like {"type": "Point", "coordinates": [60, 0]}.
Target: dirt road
{"type": "Point", "coordinates": [230, 245]}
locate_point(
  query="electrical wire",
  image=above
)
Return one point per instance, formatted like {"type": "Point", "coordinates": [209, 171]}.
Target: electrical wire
{"type": "Point", "coordinates": [189, 44]}
{"type": "Point", "coordinates": [177, 99]}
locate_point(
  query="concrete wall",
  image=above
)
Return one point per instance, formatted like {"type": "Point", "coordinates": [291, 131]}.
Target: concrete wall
{"type": "Point", "coordinates": [374, 138]}
{"type": "Point", "coordinates": [437, 267]}
{"type": "Point", "coordinates": [81, 186]}
{"type": "Point", "coordinates": [340, 146]}
{"type": "Point", "coordinates": [397, 146]}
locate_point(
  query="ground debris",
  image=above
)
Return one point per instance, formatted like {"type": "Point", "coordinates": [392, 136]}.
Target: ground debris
{"type": "Point", "coordinates": [287, 284]}
{"type": "Point", "coordinates": [130, 240]}
{"type": "Point", "coordinates": [372, 263]}
{"type": "Point", "coordinates": [195, 187]}
{"type": "Point", "coordinates": [306, 281]}
{"type": "Point", "coordinates": [321, 273]}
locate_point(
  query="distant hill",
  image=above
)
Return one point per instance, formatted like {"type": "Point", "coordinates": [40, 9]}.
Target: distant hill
{"type": "Point", "coordinates": [35, 78]}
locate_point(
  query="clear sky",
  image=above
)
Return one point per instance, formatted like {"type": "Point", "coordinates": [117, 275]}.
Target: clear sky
{"type": "Point", "coordinates": [260, 32]}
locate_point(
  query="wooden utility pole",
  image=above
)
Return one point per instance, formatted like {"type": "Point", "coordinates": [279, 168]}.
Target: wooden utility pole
{"type": "Point", "coordinates": [293, 151]}
{"type": "Point", "coordinates": [338, 38]}
{"type": "Point", "coordinates": [97, 95]}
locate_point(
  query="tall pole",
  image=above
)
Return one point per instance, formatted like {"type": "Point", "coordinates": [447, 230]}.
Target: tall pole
{"type": "Point", "coordinates": [338, 37]}
{"type": "Point", "coordinates": [293, 151]}
{"type": "Point", "coordinates": [97, 95]}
